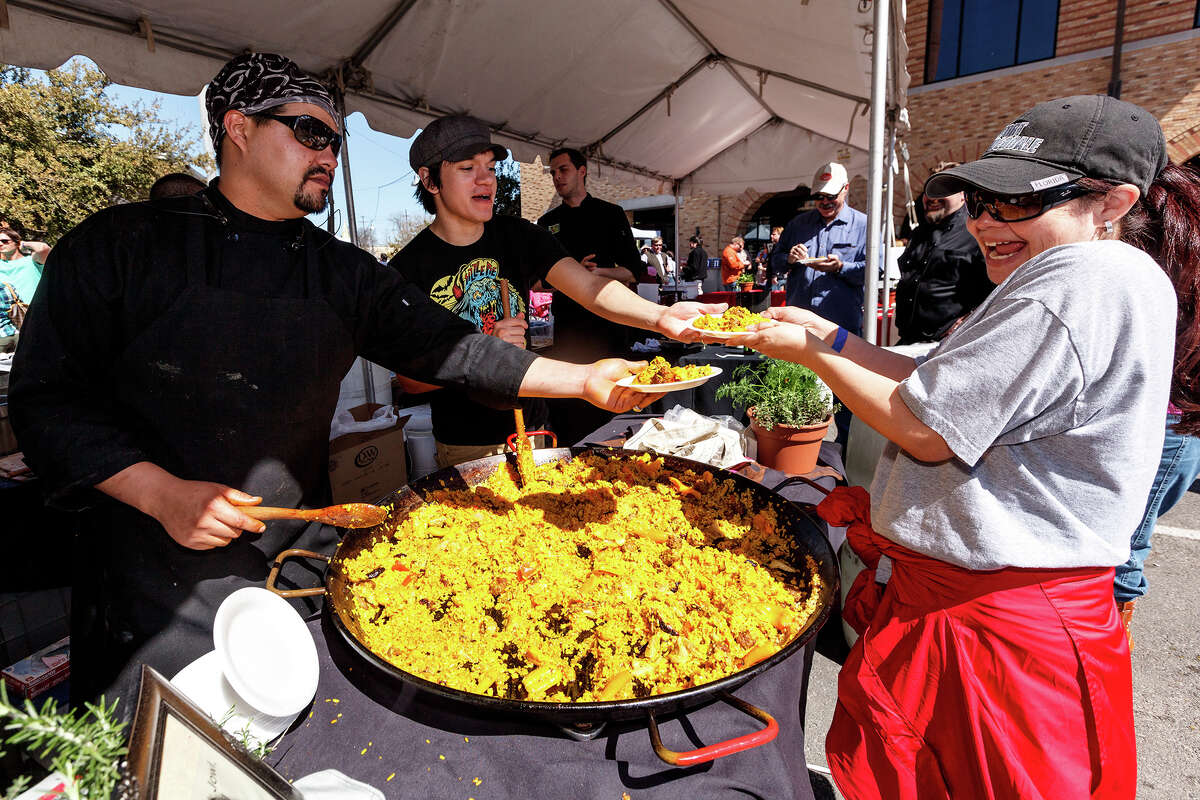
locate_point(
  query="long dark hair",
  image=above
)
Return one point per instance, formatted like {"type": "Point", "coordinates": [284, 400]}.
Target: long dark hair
{"type": "Point", "coordinates": [1166, 224]}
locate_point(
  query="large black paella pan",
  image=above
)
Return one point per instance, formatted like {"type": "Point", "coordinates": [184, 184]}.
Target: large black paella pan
{"type": "Point", "coordinates": [585, 719]}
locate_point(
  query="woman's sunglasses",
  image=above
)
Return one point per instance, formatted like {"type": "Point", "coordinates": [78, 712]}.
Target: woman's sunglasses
{"type": "Point", "coordinates": [309, 131]}
{"type": "Point", "coordinates": [1017, 208]}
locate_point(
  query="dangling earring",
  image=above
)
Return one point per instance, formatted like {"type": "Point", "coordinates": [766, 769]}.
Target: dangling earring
{"type": "Point", "coordinates": [1108, 226]}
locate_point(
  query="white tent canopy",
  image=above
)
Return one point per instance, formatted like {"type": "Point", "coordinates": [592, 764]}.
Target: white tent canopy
{"type": "Point", "coordinates": [677, 95]}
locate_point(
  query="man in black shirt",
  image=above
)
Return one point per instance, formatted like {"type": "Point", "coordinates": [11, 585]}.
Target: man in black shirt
{"type": "Point", "coordinates": [182, 360]}
{"type": "Point", "coordinates": [943, 276]}
{"type": "Point", "coordinates": [596, 234]}
{"type": "Point", "coordinates": [697, 261]}
{"type": "Point", "coordinates": [463, 256]}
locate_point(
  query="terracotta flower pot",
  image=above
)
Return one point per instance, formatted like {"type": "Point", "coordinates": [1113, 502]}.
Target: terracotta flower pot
{"type": "Point", "coordinates": [789, 449]}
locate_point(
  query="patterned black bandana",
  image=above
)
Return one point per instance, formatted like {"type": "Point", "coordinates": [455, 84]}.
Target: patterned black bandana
{"type": "Point", "coordinates": [258, 81]}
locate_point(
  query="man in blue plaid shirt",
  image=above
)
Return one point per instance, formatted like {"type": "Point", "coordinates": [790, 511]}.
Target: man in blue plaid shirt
{"type": "Point", "coordinates": [8, 331]}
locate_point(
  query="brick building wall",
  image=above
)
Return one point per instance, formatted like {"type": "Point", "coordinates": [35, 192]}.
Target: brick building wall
{"type": "Point", "coordinates": [959, 121]}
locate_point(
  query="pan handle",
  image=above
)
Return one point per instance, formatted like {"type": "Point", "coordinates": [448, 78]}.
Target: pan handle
{"type": "Point", "coordinates": [511, 441]}
{"type": "Point", "coordinates": [277, 564]}
{"type": "Point", "coordinates": [800, 479]}
{"type": "Point", "coordinates": [714, 751]}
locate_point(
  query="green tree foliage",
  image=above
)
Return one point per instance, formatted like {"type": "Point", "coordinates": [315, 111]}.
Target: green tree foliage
{"type": "Point", "coordinates": [405, 226]}
{"type": "Point", "coordinates": [67, 149]}
{"type": "Point", "coordinates": [508, 188]}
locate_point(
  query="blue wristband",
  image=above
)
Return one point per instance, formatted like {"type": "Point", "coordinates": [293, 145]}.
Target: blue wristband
{"type": "Point", "coordinates": [839, 341]}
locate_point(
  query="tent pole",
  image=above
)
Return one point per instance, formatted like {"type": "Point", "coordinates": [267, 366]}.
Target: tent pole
{"type": "Point", "coordinates": [879, 63]}
{"type": "Point", "coordinates": [368, 377]}
{"type": "Point", "coordinates": [889, 235]}
{"type": "Point", "coordinates": [675, 190]}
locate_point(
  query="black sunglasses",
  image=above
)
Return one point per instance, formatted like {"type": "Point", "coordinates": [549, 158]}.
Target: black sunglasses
{"type": "Point", "coordinates": [1018, 208]}
{"type": "Point", "coordinates": [309, 131]}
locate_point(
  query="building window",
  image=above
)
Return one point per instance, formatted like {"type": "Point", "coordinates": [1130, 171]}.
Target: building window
{"type": "Point", "coordinates": [970, 36]}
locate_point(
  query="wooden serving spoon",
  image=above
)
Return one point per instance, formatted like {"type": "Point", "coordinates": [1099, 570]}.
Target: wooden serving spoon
{"type": "Point", "coordinates": [524, 449]}
{"type": "Point", "coordinates": [345, 515]}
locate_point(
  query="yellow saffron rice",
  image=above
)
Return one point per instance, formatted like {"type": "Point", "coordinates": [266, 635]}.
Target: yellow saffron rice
{"type": "Point", "coordinates": [601, 579]}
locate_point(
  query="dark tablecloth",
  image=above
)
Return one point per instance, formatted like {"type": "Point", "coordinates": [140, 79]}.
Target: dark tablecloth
{"type": "Point", "coordinates": [412, 745]}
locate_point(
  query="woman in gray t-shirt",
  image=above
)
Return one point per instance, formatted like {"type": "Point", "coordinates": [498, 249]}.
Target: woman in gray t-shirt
{"type": "Point", "coordinates": [993, 662]}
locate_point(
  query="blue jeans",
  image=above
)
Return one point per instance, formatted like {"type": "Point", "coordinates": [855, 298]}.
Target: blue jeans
{"type": "Point", "coordinates": [1176, 471]}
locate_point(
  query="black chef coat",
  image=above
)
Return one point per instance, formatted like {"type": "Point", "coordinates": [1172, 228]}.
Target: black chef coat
{"type": "Point", "coordinates": [942, 277]}
{"type": "Point", "coordinates": [697, 264]}
{"type": "Point", "coordinates": [191, 335]}
{"type": "Point", "coordinates": [594, 226]}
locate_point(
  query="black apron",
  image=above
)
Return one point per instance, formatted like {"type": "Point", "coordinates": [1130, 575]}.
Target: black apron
{"type": "Point", "coordinates": [229, 388]}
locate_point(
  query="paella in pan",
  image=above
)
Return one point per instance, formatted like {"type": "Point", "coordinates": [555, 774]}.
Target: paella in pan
{"type": "Point", "coordinates": [597, 580]}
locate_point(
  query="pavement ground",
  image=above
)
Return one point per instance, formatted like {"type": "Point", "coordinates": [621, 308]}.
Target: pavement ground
{"type": "Point", "coordinates": [1166, 669]}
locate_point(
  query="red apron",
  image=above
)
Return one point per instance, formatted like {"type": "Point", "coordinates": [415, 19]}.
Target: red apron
{"type": "Point", "coordinates": [1013, 683]}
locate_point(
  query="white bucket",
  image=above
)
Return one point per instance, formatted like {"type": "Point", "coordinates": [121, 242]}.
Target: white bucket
{"type": "Point", "coordinates": [418, 439]}
{"type": "Point", "coordinates": [648, 291]}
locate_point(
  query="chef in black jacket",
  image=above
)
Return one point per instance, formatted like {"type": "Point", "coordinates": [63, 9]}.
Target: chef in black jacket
{"type": "Point", "coordinates": [183, 357]}
{"type": "Point", "coordinates": [597, 234]}
{"type": "Point", "coordinates": [942, 273]}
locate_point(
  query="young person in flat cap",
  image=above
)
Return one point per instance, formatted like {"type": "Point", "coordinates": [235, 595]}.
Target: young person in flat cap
{"type": "Point", "coordinates": [183, 358]}
{"type": "Point", "coordinates": [991, 660]}
{"type": "Point", "coordinates": [464, 254]}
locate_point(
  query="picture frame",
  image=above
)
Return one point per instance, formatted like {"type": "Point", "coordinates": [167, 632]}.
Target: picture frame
{"type": "Point", "coordinates": [178, 752]}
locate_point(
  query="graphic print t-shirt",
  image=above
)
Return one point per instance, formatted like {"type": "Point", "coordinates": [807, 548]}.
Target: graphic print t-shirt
{"type": "Point", "coordinates": [466, 281]}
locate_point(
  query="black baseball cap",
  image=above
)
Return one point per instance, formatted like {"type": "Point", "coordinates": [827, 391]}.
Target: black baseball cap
{"type": "Point", "coordinates": [454, 138]}
{"type": "Point", "coordinates": [1063, 140]}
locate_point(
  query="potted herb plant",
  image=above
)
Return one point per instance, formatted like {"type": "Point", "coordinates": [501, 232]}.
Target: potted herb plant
{"type": "Point", "coordinates": [790, 411]}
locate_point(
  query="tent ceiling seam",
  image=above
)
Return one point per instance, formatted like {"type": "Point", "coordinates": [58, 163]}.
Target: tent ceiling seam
{"type": "Point", "coordinates": [714, 53]}
{"type": "Point", "coordinates": [94, 19]}
{"type": "Point", "coordinates": [727, 148]}
{"type": "Point", "coordinates": [773, 120]}
{"type": "Point", "coordinates": [820, 87]}
{"type": "Point", "coordinates": [381, 31]}
{"type": "Point", "coordinates": [666, 92]}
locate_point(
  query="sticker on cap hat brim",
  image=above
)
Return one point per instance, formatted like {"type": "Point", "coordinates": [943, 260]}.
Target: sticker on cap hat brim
{"type": "Point", "coordinates": [1050, 183]}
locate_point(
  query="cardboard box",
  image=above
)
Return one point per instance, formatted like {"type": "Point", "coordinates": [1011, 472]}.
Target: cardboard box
{"type": "Point", "coordinates": [366, 467]}
{"type": "Point", "coordinates": [43, 670]}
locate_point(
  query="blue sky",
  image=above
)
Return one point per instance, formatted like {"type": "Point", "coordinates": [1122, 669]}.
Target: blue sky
{"type": "Point", "coordinates": [382, 180]}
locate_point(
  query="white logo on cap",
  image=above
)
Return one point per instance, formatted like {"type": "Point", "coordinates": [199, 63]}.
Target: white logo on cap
{"type": "Point", "coordinates": [1047, 183]}
{"type": "Point", "coordinates": [1011, 139]}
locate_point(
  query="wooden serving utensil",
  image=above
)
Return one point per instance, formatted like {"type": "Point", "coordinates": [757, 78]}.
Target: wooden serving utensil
{"type": "Point", "coordinates": [524, 449]}
{"type": "Point", "coordinates": [344, 515]}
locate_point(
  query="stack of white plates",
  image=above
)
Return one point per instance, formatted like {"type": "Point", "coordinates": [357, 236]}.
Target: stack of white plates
{"type": "Point", "coordinates": [264, 669]}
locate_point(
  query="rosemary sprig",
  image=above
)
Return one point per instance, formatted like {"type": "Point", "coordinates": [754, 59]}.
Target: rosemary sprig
{"type": "Point", "coordinates": [243, 738]}
{"type": "Point", "coordinates": [89, 747]}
